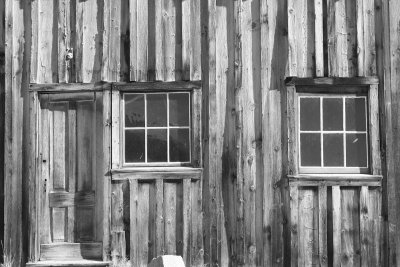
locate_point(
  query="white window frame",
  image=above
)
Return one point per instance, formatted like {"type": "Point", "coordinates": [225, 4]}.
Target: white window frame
{"type": "Point", "coordinates": [145, 128]}
{"type": "Point", "coordinates": [297, 87]}
{"type": "Point", "coordinates": [333, 169]}
{"type": "Point", "coordinates": [118, 118]}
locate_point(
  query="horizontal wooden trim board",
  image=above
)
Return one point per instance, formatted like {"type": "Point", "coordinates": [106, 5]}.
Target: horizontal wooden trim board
{"type": "Point", "coordinates": [65, 199]}
{"type": "Point", "coordinates": [330, 81]}
{"type": "Point", "coordinates": [63, 263]}
{"type": "Point", "coordinates": [68, 87]}
{"type": "Point", "coordinates": [157, 173]}
{"type": "Point", "coordinates": [71, 251]}
{"type": "Point", "coordinates": [333, 180]}
{"type": "Point", "coordinates": [164, 86]}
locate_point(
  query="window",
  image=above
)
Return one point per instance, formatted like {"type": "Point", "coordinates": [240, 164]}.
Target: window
{"type": "Point", "coordinates": [333, 133]}
{"type": "Point", "coordinates": [156, 127]}
{"type": "Point", "coordinates": [333, 126]}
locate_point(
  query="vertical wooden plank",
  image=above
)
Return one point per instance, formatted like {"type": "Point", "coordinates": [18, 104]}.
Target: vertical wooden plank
{"type": "Point", "coordinates": [106, 37]}
{"type": "Point", "coordinates": [337, 225]}
{"type": "Point", "coordinates": [169, 39]}
{"type": "Point", "coordinates": [117, 222]}
{"type": "Point", "coordinates": [159, 40]}
{"type": "Point", "coordinates": [91, 41]}
{"type": "Point", "coordinates": [98, 165]}
{"type": "Point", "coordinates": [159, 211]}
{"type": "Point", "coordinates": [375, 155]}
{"type": "Point", "coordinates": [106, 176]}
{"type": "Point", "coordinates": [187, 17]}
{"type": "Point", "coordinates": [63, 39]}
{"type": "Point", "coordinates": [197, 247]}
{"type": "Point", "coordinates": [375, 220]}
{"type": "Point", "coordinates": [272, 17]}
{"type": "Point", "coordinates": [142, 40]}
{"type": "Point", "coordinates": [187, 212]}
{"type": "Point", "coordinates": [247, 158]}
{"type": "Point", "coordinates": [170, 218]}
{"type": "Point", "coordinates": [292, 108]}
{"type": "Point", "coordinates": [292, 28]}
{"type": "Point", "coordinates": [360, 37]}
{"type": "Point", "coordinates": [365, 230]}
{"type": "Point", "coordinates": [322, 226]}
{"type": "Point", "coordinates": [196, 128]}
{"type": "Point", "coordinates": [79, 34]}
{"type": "Point", "coordinates": [115, 129]}
{"type": "Point", "coordinates": [47, 57]}
{"type": "Point", "coordinates": [341, 38]}
{"type": "Point", "coordinates": [142, 224]}
{"type": "Point", "coordinates": [44, 159]}
{"type": "Point", "coordinates": [319, 38]}
{"type": "Point", "coordinates": [114, 41]}
{"type": "Point", "coordinates": [195, 38]}
{"type": "Point", "coordinates": [369, 38]}
{"type": "Point", "coordinates": [34, 42]}
{"type": "Point", "coordinates": [33, 185]}
{"type": "Point", "coordinates": [294, 218]}
{"type": "Point", "coordinates": [350, 227]}
{"type": "Point", "coordinates": [71, 169]}
{"type": "Point", "coordinates": [13, 136]}
{"type": "Point", "coordinates": [134, 230]}
{"type": "Point", "coordinates": [307, 226]}
{"type": "Point", "coordinates": [133, 37]}
{"type": "Point", "coordinates": [212, 224]}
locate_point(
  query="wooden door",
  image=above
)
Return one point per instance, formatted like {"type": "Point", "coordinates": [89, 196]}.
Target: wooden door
{"type": "Point", "coordinates": [70, 139]}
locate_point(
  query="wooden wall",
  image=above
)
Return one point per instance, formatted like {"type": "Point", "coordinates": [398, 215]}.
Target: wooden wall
{"type": "Point", "coordinates": [242, 51]}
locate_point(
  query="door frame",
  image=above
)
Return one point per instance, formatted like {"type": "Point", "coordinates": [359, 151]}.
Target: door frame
{"type": "Point", "coordinates": [33, 198]}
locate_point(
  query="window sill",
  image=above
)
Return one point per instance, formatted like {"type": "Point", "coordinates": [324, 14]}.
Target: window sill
{"type": "Point", "coordinates": [335, 179]}
{"type": "Point", "coordinates": [152, 173]}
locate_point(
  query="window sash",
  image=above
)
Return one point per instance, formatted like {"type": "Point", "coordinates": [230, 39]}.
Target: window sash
{"type": "Point", "coordinates": [322, 132]}
{"type": "Point", "coordinates": [146, 128]}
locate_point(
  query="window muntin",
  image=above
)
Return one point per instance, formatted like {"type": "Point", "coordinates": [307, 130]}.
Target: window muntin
{"type": "Point", "coordinates": [156, 128]}
{"type": "Point", "coordinates": [333, 133]}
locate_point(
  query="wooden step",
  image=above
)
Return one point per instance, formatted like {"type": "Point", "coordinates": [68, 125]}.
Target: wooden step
{"type": "Point", "coordinates": [86, 263]}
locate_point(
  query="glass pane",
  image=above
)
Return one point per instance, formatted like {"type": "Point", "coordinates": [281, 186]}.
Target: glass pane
{"type": "Point", "coordinates": [134, 146]}
{"type": "Point", "coordinates": [310, 114]}
{"type": "Point", "coordinates": [333, 150]}
{"type": "Point", "coordinates": [134, 110]}
{"type": "Point", "coordinates": [310, 146]}
{"type": "Point", "coordinates": [356, 151]}
{"type": "Point", "coordinates": [157, 145]}
{"type": "Point", "coordinates": [179, 109]}
{"type": "Point", "coordinates": [179, 145]}
{"type": "Point", "coordinates": [332, 114]}
{"type": "Point", "coordinates": [355, 114]}
{"type": "Point", "coordinates": [156, 110]}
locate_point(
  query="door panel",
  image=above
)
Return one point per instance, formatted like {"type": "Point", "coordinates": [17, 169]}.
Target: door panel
{"type": "Point", "coordinates": [67, 143]}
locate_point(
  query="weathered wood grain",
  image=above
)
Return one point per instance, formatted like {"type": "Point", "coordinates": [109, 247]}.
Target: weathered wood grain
{"type": "Point", "coordinates": [170, 40]}
{"type": "Point", "coordinates": [64, 199]}
{"type": "Point", "coordinates": [159, 219]}
{"type": "Point", "coordinates": [350, 221]}
{"type": "Point", "coordinates": [142, 227]}
{"type": "Point", "coordinates": [375, 152]}
{"type": "Point", "coordinates": [115, 130]}
{"type": "Point", "coordinates": [336, 225]}
{"type": "Point", "coordinates": [319, 38]}
{"type": "Point", "coordinates": [133, 213]}
{"type": "Point", "coordinates": [322, 226]}
{"type": "Point", "coordinates": [365, 230]}
{"type": "Point", "coordinates": [117, 224]}
{"type": "Point", "coordinates": [71, 233]}
{"type": "Point", "coordinates": [65, 251]}
{"type": "Point", "coordinates": [187, 213]}
{"type": "Point", "coordinates": [294, 230]}
{"type": "Point", "coordinates": [170, 222]}
{"type": "Point", "coordinates": [64, 40]}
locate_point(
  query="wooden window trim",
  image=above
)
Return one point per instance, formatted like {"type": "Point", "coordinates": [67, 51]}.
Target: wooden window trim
{"type": "Point", "coordinates": [121, 171]}
{"type": "Point", "coordinates": [367, 85]}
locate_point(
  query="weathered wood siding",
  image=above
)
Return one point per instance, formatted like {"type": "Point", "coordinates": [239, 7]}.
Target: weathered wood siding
{"type": "Point", "coordinates": [242, 51]}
